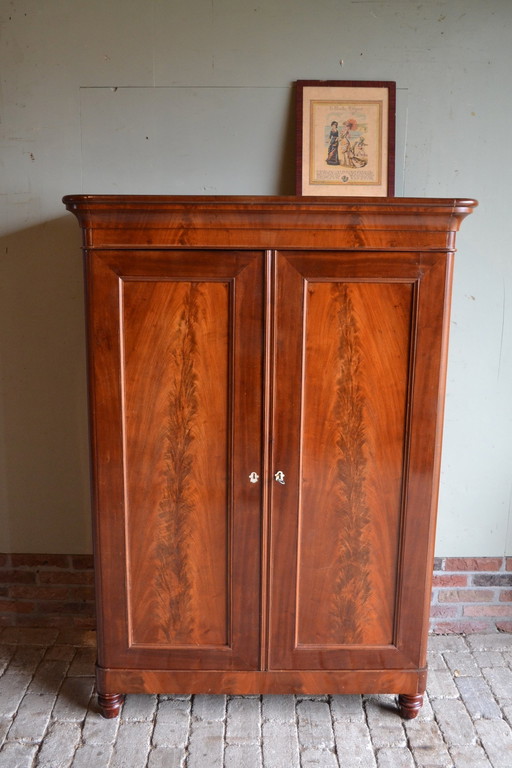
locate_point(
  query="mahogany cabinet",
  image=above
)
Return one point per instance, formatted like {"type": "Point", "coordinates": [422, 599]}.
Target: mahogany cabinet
{"type": "Point", "coordinates": [266, 383]}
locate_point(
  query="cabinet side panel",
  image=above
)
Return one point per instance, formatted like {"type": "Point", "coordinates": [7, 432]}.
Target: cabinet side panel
{"type": "Point", "coordinates": [356, 378]}
{"type": "Point", "coordinates": [175, 338]}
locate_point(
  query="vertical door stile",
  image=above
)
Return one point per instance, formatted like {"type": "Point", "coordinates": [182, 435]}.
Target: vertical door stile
{"type": "Point", "coordinates": [287, 402]}
{"type": "Point", "coordinates": [300, 441]}
{"type": "Point", "coordinates": [231, 447]}
{"type": "Point", "coordinates": [267, 450]}
{"type": "Point", "coordinates": [399, 611]}
{"type": "Point", "coordinates": [122, 386]}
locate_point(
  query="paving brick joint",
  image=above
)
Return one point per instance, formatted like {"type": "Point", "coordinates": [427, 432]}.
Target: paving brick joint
{"type": "Point", "coordinates": [49, 719]}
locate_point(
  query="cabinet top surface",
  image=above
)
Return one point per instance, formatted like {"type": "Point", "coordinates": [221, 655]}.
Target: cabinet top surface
{"type": "Point", "coordinates": [259, 201]}
{"type": "Point", "coordinates": [269, 222]}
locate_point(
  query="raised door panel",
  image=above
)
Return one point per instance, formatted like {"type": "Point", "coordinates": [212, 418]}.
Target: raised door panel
{"type": "Point", "coordinates": [177, 436]}
{"type": "Point", "coordinates": [351, 334]}
{"type": "Point", "coordinates": [175, 345]}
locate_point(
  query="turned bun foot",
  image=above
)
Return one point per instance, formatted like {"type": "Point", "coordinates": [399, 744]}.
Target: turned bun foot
{"type": "Point", "coordinates": [110, 704]}
{"type": "Point", "coordinates": [409, 706]}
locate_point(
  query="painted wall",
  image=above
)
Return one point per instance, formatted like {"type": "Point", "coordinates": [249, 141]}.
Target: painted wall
{"type": "Point", "coordinates": [195, 96]}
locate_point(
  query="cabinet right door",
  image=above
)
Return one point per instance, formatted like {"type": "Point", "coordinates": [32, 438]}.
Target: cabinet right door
{"type": "Point", "coordinates": [359, 344]}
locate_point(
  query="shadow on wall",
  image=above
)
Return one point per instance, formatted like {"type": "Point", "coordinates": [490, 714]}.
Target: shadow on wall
{"type": "Point", "coordinates": [286, 178]}
{"type": "Point", "coordinates": [44, 468]}
{"type": "Point", "coordinates": [44, 473]}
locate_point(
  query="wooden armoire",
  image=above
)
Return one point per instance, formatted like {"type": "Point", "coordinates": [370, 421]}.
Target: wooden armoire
{"type": "Point", "coordinates": [266, 380]}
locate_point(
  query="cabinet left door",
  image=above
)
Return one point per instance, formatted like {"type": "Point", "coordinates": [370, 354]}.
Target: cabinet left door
{"type": "Point", "coordinates": [175, 342]}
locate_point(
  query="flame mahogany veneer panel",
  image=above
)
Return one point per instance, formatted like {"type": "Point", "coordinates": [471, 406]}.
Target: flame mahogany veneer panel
{"type": "Point", "coordinates": [176, 395]}
{"type": "Point", "coordinates": [355, 370]}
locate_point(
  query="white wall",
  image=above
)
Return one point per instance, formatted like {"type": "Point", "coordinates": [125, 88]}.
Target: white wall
{"type": "Point", "coordinates": [195, 96]}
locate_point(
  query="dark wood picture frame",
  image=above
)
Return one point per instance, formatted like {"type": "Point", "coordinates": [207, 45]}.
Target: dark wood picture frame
{"type": "Point", "coordinates": [332, 161]}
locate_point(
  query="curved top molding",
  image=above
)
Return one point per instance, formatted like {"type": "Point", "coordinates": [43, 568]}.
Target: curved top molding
{"type": "Point", "coordinates": [268, 222]}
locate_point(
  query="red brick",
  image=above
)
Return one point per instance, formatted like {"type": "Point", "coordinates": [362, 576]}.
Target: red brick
{"type": "Point", "coordinates": [459, 627]}
{"type": "Point", "coordinates": [438, 563]}
{"type": "Point", "coordinates": [65, 608]}
{"type": "Point", "coordinates": [15, 606]}
{"type": "Point", "coordinates": [508, 563]}
{"type": "Point", "coordinates": [450, 580]}
{"type": "Point", "coordinates": [504, 626]}
{"type": "Point", "coordinates": [35, 592]}
{"type": "Point", "coordinates": [506, 596]}
{"type": "Point", "coordinates": [82, 593]}
{"type": "Point", "coordinates": [492, 580]}
{"type": "Point", "coordinates": [488, 610]}
{"type": "Point", "coordinates": [465, 595]}
{"type": "Point", "coordinates": [4, 560]}
{"type": "Point", "coordinates": [31, 560]}
{"type": "Point", "coordinates": [443, 611]}
{"type": "Point", "coordinates": [473, 564]}
{"type": "Point", "coordinates": [82, 562]}
{"type": "Point", "coordinates": [84, 622]}
{"type": "Point", "coordinates": [43, 620]}
{"type": "Point", "coordinates": [66, 577]}
{"type": "Point", "coordinates": [17, 577]}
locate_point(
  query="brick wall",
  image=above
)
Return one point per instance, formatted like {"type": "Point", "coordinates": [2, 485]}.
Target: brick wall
{"type": "Point", "coordinates": [47, 590]}
{"type": "Point", "coordinates": [470, 594]}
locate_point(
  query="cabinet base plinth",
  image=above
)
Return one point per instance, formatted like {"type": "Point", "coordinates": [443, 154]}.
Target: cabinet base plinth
{"type": "Point", "coordinates": [110, 704]}
{"type": "Point", "coordinates": [250, 682]}
{"type": "Point", "coordinates": [409, 706]}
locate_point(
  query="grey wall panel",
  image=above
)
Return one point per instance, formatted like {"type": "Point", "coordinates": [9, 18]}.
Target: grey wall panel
{"type": "Point", "coordinates": [188, 140]}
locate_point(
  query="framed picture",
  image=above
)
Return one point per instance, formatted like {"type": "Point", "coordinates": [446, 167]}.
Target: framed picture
{"type": "Point", "coordinates": [345, 138]}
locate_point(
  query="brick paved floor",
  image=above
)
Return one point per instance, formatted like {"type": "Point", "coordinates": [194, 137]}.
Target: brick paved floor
{"type": "Point", "coordinates": [48, 717]}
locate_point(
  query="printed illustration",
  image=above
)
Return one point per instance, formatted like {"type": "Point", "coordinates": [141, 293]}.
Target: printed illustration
{"type": "Point", "coordinates": [345, 142]}
{"type": "Point", "coordinates": [348, 145]}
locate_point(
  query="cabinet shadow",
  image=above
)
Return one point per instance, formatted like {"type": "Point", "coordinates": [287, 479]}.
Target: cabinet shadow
{"type": "Point", "coordinates": [44, 473]}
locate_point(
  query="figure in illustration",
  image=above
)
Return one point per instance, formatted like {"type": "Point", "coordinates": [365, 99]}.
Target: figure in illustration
{"type": "Point", "coordinates": [345, 145]}
{"type": "Point", "coordinates": [334, 139]}
{"type": "Point", "coordinates": [343, 151]}
{"type": "Point", "coordinates": [358, 155]}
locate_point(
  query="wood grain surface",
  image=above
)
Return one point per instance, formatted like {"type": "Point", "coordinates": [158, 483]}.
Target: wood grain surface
{"type": "Point", "coordinates": [176, 397]}
{"type": "Point", "coordinates": [345, 342]}
{"type": "Point", "coordinates": [176, 433]}
{"type": "Point", "coordinates": [356, 366]}
{"type": "Point", "coordinates": [266, 394]}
